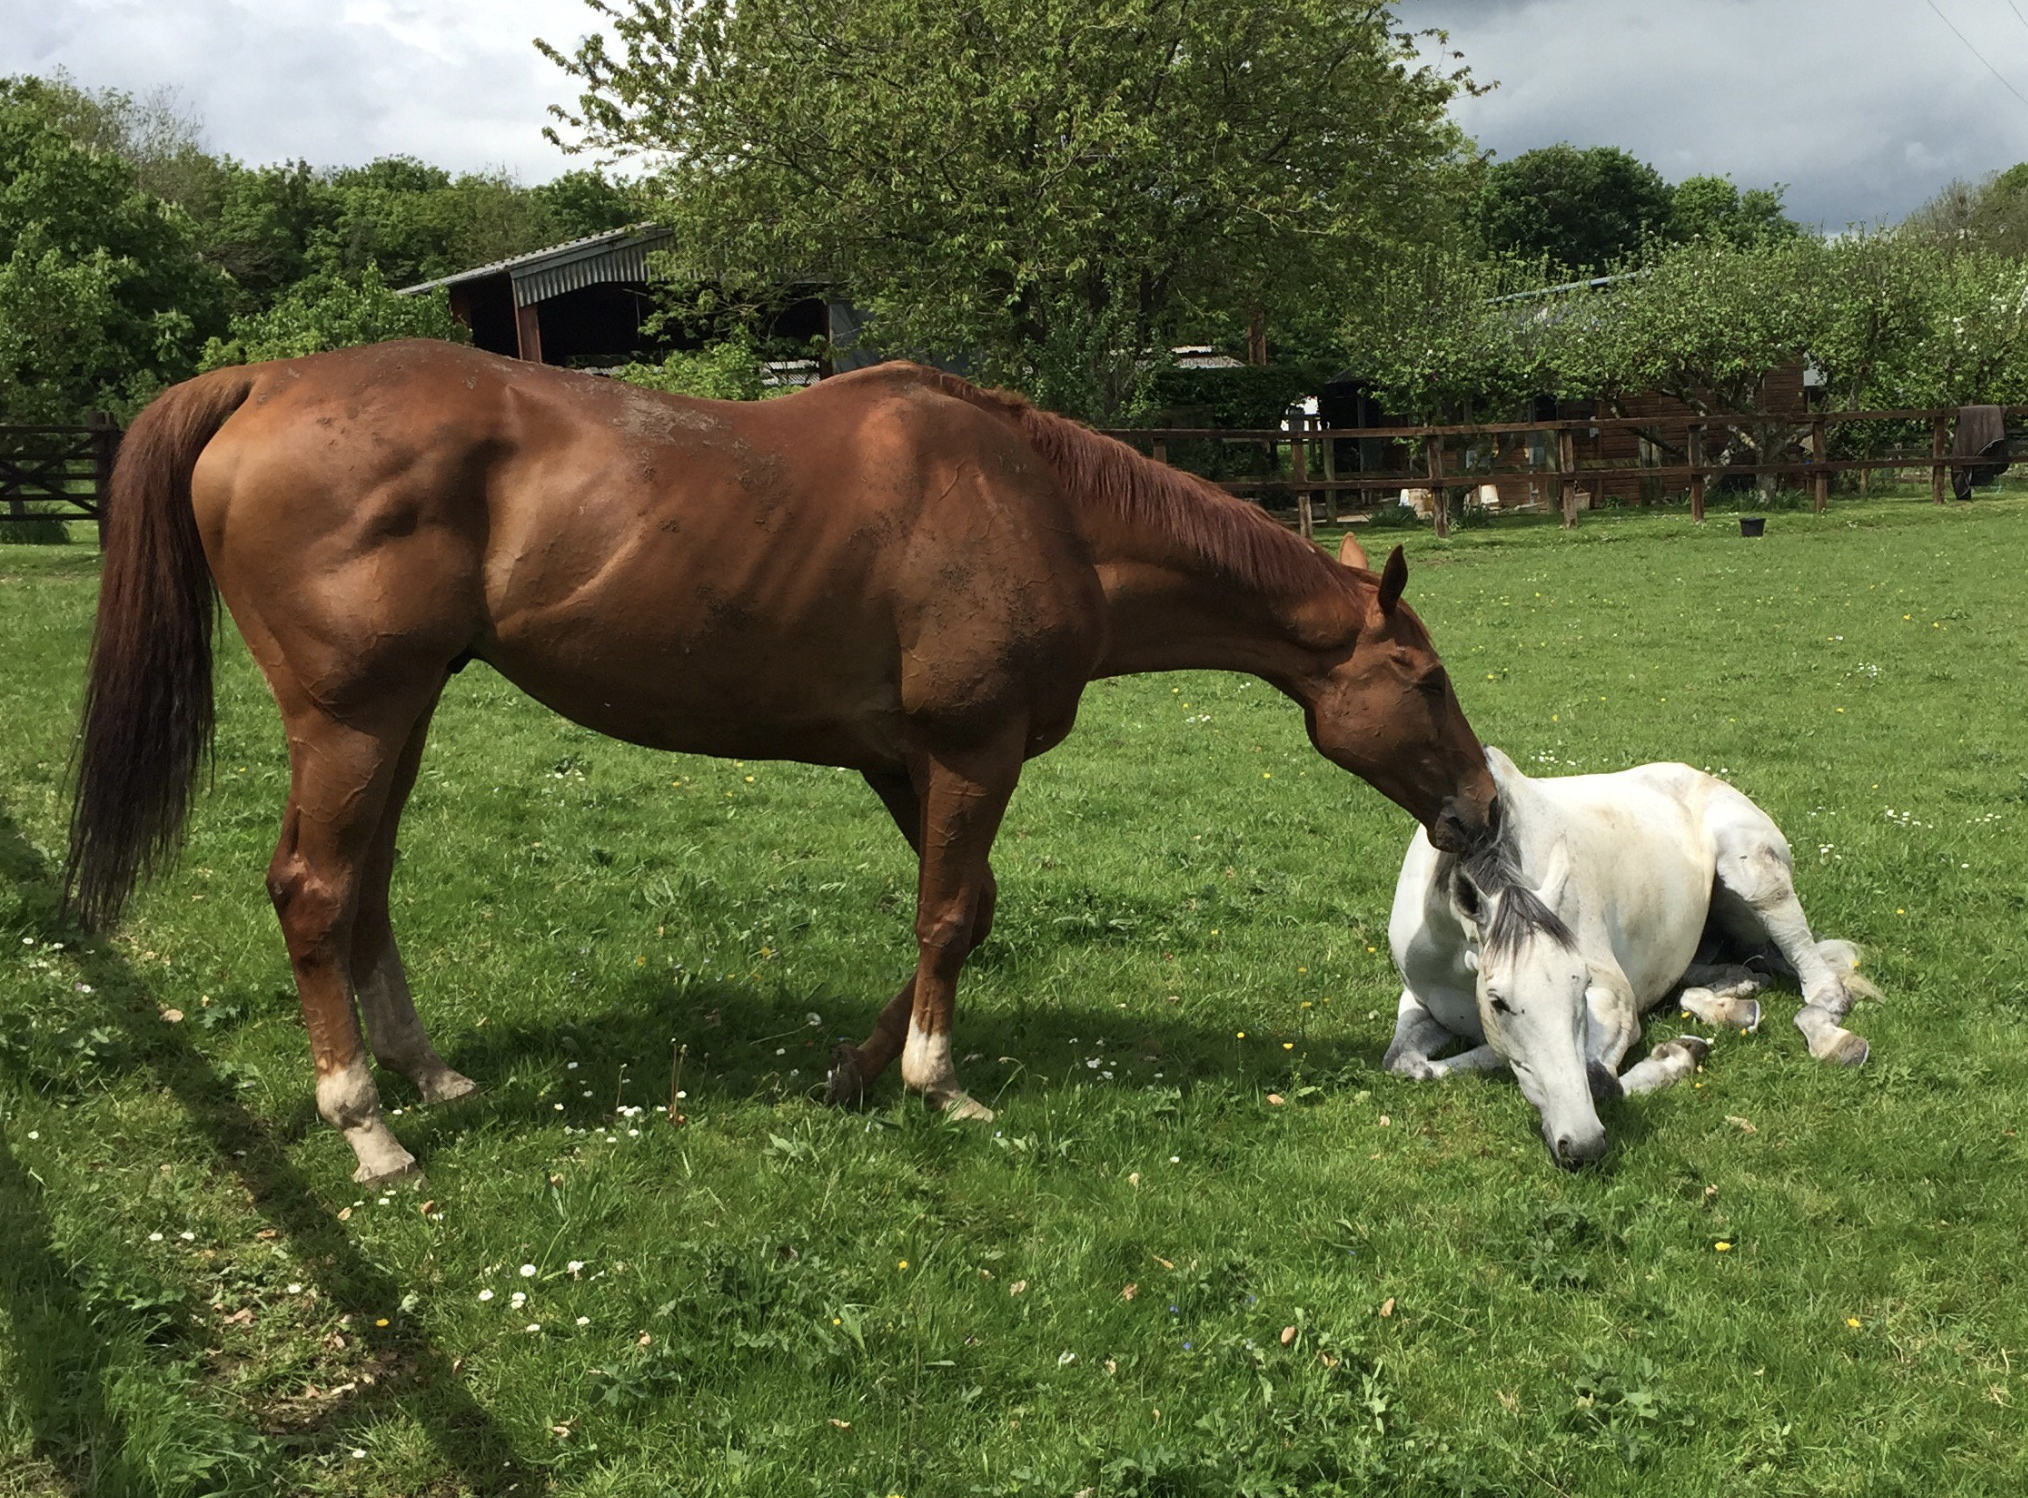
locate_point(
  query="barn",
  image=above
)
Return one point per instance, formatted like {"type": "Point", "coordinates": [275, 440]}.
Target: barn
{"type": "Point", "coordinates": [587, 304]}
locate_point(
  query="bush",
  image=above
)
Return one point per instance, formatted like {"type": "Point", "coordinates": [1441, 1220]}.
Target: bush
{"type": "Point", "coordinates": [327, 312]}
{"type": "Point", "coordinates": [728, 371]}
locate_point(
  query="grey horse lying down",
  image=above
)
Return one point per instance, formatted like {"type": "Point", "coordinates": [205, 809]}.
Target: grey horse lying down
{"type": "Point", "coordinates": [1605, 896]}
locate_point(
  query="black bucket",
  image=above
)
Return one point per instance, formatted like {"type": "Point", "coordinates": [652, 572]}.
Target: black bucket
{"type": "Point", "coordinates": [1752, 525]}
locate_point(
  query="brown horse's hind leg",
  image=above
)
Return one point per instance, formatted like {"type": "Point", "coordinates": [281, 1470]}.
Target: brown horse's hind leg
{"type": "Point", "coordinates": [854, 1067]}
{"type": "Point", "coordinates": [392, 1026]}
{"type": "Point", "coordinates": [342, 773]}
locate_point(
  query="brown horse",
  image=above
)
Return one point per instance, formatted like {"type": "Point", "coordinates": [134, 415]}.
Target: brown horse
{"type": "Point", "coordinates": [895, 572]}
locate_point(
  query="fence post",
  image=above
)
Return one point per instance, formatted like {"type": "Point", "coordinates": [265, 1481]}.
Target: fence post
{"type": "Point", "coordinates": [1695, 452]}
{"type": "Point", "coordinates": [1819, 451]}
{"type": "Point", "coordinates": [1299, 474]}
{"type": "Point", "coordinates": [1566, 474]}
{"type": "Point", "coordinates": [1161, 449]}
{"type": "Point", "coordinates": [1330, 454]}
{"type": "Point", "coordinates": [1439, 498]}
{"type": "Point", "coordinates": [105, 448]}
{"type": "Point", "coordinates": [1937, 423]}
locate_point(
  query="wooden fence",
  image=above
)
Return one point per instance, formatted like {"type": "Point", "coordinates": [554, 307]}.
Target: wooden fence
{"type": "Point", "coordinates": [57, 472]}
{"type": "Point", "coordinates": [1312, 470]}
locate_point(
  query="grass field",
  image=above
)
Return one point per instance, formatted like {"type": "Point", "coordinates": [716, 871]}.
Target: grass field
{"type": "Point", "coordinates": [1147, 1276]}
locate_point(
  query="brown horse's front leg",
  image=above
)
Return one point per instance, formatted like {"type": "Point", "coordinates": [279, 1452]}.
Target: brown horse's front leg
{"type": "Point", "coordinates": [853, 1068]}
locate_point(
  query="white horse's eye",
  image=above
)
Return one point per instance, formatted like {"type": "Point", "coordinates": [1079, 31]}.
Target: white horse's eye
{"type": "Point", "coordinates": [1501, 1006]}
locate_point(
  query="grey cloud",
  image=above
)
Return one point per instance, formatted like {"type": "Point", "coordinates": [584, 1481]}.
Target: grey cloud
{"type": "Point", "coordinates": [1864, 108]}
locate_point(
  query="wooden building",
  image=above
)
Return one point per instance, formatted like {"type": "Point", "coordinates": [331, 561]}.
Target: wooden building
{"type": "Point", "coordinates": [587, 304]}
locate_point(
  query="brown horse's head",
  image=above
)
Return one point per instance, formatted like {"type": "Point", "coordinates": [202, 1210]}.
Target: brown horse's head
{"type": "Point", "coordinates": [1387, 713]}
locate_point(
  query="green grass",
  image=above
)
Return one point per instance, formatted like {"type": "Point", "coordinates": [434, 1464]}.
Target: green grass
{"type": "Point", "coordinates": [1466, 1318]}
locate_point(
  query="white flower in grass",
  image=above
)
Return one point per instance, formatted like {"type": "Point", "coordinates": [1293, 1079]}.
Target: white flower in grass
{"type": "Point", "coordinates": [485, 1295]}
{"type": "Point", "coordinates": [584, 1321]}
{"type": "Point", "coordinates": [520, 1299]}
{"type": "Point", "coordinates": [187, 1236]}
{"type": "Point", "coordinates": [154, 1237]}
{"type": "Point", "coordinates": [358, 1454]}
{"type": "Point", "coordinates": [570, 1066]}
{"type": "Point", "coordinates": [533, 1326]}
{"type": "Point", "coordinates": [1065, 1359]}
{"type": "Point", "coordinates": [528, 1271]}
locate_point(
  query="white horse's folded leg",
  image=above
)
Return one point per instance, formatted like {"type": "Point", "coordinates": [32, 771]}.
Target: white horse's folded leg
{"type": "Point", "coordinates": [1722, 996]}
{"type": "Point", "coordinates": [1416, 1035]}
{"type": "Point", "coordinates": [1759, 873]}
{"type": "Point", "coordinates": [1479, 1058]}
{"type": "Point", "coordinates": [1664, 1066]}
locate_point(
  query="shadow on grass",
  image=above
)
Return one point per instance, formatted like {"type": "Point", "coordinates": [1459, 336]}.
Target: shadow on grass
{"type": "Point", "coordinates": [74, 1430]}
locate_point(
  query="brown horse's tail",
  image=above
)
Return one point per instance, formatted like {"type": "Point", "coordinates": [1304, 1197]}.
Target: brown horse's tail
{"type": "Point", "coordinates": [147, 704]}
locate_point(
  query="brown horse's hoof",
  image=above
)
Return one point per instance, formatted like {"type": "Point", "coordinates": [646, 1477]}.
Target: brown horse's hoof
{"type": "Point", "coordinates": [390, 1172]}
{"type": "Point", "coordinates": [845, 1087]}
{"type": "Point", "coordinates": [962, 1107]}
{"type": "Point", "coordinates": [447, 1087]}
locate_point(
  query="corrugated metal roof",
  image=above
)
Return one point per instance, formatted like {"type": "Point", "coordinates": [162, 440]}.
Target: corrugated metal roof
{"type": "Point", "coordinates": [619, 255]}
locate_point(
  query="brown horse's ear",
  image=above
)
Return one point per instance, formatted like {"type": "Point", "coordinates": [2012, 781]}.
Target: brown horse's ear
{"type": "Point", "coordinates": [1350, 552]}
{"type": "Point", "coordinates": [1393, 578]}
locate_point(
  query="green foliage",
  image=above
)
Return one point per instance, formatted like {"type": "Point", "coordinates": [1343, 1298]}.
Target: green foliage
{"type": "Point", "coordinates": [1440, 334]}
{"type": "Point", "coordinates": [1054, 189]}
{"type": "Point", "coordinates": [1581, 210]}
{"type": "Point", "coordinates": [1252, 396]}
{"type": "Point", "coordinates": [727, 371]}
{"type": "Point", "coordinates": [103, 298]}
{"type": "Point", "coordinates": [328, 313]}
{"type": "Point", "coordinates": [1714, 208]}
{"type": "Point", "coordinates": [1991, 214]}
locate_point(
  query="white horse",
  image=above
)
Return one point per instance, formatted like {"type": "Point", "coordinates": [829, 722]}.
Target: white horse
{"type": "Point", "coordinates": [1605, 896]}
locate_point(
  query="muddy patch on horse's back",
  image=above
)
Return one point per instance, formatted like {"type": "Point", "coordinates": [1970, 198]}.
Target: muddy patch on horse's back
{"type": "Point", "coordinates": [642, 415]}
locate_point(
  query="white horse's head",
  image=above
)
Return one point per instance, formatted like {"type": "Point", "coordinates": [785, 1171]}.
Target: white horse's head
{"type": "Point", "coordinates": [1532, 984]}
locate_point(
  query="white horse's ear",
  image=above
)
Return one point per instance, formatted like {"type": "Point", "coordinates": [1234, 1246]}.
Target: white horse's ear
{"type": "Point", "coordinates": [1471, 959]}
{"type": "Point", "coordinates": [1472, 905]}
{"type": "Point", "coordinates": [1556, 877]}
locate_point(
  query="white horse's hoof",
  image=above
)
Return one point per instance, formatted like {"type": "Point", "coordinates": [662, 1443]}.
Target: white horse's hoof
{"type": "Point", "coordinates": [1747, 1016]}
{"type": "Point", "coordinates": [1845, 1049]}
{"type": "Point", "coordinates": [1694, 1046]}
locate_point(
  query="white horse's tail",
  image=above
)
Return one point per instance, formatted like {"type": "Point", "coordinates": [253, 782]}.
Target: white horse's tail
{"type": "Point", "coordinates": [1843, 959]}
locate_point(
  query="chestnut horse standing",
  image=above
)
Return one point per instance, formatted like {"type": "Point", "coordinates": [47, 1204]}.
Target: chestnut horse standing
{"type": "Point", "coordinates": [895, 572]}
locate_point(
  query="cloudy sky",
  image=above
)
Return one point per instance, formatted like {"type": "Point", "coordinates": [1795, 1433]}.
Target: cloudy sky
{"type": "Point", "coordinates": [1862, 107]}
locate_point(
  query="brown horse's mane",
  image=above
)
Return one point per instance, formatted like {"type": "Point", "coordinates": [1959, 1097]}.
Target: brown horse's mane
{"type": "Point", "coordinates": [1235, 539]}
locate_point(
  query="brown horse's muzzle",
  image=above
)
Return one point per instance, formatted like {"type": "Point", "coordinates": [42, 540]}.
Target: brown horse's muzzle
{"type": "Point", "coordinates": [1466, 824]}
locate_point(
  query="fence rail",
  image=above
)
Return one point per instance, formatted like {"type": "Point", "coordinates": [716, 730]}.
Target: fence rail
{"type": "Point", "coordinates": [1304, 484]}
{"type": "Point", "coordinates": [62, 471]}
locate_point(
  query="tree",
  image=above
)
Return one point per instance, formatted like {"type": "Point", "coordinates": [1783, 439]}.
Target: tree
{"type": "Point", "coordinates": [1714, 208]}
{"type": "Point", "coordinates": [1582, 210]}
{"type": "Point", "coordinates": [1987, 215]}
{"type": "Point", "coordinates": [1052, 187]}
{"type": "Point", "coordinates": [158, 135]}
{"type": "Point", "coordinates": [1704, 322]}
{"type": "Point", "coordinates": [103, 296]}
{"type": "Point", "coordinates": [1448, 330]}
